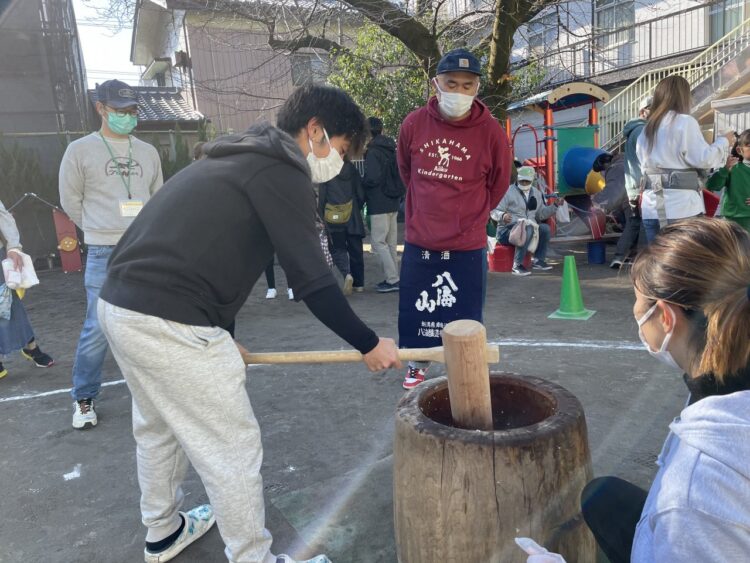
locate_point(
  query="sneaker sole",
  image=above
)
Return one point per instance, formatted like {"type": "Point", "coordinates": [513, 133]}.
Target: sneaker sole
{"type": "Point", "coordinates": [31, 359]}
{"type": "Point", "coordinates": [547, 269]}
{"type": "Point", "coordinates": [86, 425]}
{"type": "Point", "coordinates": [388, 290]}
{"type": "Point", "coordinates": [522, 274]}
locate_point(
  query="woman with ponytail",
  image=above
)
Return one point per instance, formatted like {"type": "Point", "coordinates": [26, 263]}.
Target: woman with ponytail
{"type": "Point", "coordinates": [675, 157]}
{"type": "Point", "coordinates": [692, 289]}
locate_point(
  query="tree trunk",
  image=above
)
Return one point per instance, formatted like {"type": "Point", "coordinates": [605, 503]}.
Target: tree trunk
{"type": "Point", "coordinates": [509, 14]}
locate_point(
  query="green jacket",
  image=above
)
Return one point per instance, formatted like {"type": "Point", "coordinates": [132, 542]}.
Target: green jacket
{"type": "Point", "coordinates": [737, 184]}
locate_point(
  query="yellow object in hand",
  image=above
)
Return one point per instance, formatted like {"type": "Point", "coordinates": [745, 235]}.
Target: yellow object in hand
{"type": "Point", "coordinates": [20, 292]}
{"type": "Point", "coordinates": [594, 183]}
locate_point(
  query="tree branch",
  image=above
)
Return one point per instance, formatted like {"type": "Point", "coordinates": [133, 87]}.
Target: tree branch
{"type": "Point", "coordinates": [305, 42]}
{"type": "Point", "coordinates": [411, 32]}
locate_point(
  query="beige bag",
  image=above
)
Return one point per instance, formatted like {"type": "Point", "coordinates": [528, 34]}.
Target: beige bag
{"type": "Point", "coordinates": [338, 214]}
{"type": "Point", "coordinates": [517, 235]}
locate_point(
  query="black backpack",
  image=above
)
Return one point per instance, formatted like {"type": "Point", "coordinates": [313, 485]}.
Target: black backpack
{"type": "Point", "coordinates": [393, 186]}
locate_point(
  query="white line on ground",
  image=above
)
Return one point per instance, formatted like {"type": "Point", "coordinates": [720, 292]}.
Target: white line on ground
{"type": "Point", "coordinates": [586, 344]}
{"type": "Point", "coordinates": [75, 474]}
{"type": "Point", "coordinates": [49, 393]}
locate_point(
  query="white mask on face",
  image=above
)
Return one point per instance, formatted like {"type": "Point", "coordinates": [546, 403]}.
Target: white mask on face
{"type": "Point", "coordinates": [523, 188]}
{"type": "Point", "coordinates": [662, 354]}
{"type": "Point", "coordinates": [324, 168]}
{"type": "Point", "coordinates": [453, 104]}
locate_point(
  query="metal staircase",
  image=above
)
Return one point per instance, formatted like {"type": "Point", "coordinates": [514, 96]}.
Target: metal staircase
{"type": "Point", "coordinates": [710, 74]}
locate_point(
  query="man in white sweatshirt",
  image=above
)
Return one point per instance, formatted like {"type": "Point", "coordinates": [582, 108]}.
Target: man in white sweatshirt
{"type": "Point", "coordinates": [105, 180]}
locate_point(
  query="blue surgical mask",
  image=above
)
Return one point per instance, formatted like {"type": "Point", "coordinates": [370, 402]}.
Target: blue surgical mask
{"type": "Point", "coordinates": [122, 124]}
{"type": "Point", "coordinates": [662, 354]}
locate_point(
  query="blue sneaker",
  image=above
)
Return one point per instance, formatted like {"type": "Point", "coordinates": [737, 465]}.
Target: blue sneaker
{"type": "Point", "coordinates": [385, 287]}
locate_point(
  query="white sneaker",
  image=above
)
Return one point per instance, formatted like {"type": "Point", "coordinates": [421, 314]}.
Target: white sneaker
{"type": "Point", "coordinates": [271, 293]}
{"type": "Point", "coordinates": [198, 521]}
{"type": "Point", "coordinates": [348, 284]}
{"type": "Point", "coordinates": [290, 293]}
{"type": "Point", "coordinates": [284, 558]}
{"type": "Point", "coordinates": [84, 414]}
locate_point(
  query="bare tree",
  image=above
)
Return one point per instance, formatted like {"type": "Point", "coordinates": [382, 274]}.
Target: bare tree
{"type": "Point", "coordinates": [425, 27]}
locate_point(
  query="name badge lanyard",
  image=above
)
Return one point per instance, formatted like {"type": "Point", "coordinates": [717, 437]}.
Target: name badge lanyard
{"type": "Point", "coordinates": [130, 161]}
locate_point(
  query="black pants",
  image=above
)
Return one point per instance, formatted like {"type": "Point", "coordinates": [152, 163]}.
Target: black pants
{"type": "Point", "coordinates": [270, 276]}
{"type": "Point", "coordinates": [348, 255]}
{"type": "Point", "coordinates": [612, 508]}
{"type": "Point", "coordinates": [628, 241]}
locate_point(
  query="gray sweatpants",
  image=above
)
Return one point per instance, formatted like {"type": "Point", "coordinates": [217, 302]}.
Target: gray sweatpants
{"type": "Point", "coordinates": [383, 234]}
{"type": "Point", "coordinates": [190, 403]}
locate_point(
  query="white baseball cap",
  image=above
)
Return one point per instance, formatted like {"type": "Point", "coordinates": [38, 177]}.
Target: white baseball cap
{"type": "Point", "coordinates": [645, 103]}
{"type": "Point", "coordinates": [526, 173]}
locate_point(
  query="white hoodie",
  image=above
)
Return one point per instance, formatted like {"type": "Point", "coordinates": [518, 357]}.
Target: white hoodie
{"type": "Point", "coordinates": [698, 508]}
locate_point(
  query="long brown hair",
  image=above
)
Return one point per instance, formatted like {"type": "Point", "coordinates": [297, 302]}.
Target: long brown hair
{"type": "Point", "coordinates": [671, 94]}
{"type": "Point", "coordinates": [703, 266]}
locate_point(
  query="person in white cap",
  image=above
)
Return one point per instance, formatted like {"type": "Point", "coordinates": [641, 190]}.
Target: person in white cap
{"type": "Point", "coordinates": [524, 202]}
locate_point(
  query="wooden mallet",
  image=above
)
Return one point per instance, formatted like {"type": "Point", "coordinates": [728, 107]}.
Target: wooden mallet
{"type": "Point", "coordinates": [436, 354]}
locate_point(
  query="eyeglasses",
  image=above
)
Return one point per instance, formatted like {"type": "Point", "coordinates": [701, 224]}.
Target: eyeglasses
{"type": "Point", "coordinates": [123, 112]}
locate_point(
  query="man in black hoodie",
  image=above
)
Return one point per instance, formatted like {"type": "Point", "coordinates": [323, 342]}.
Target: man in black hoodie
{"type": "Point", "coordinates": [176, 280]}
{"type": "Point", "coordinates": [382, 184]}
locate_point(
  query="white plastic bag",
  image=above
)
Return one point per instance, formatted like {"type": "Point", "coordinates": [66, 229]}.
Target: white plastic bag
{"type": "Point", "coordinates": [537, 553]}
{"type": "Point", "coordinates": [24, 279]}
{"type": "Point", "coordinates": [563, 213]}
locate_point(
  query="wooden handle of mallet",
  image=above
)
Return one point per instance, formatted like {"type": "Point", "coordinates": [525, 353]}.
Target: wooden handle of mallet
{"type": "Point", "coordinates": [339, 356]}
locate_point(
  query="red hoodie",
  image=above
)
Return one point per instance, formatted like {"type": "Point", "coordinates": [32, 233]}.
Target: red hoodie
{"type": "Point", "coordinates": [455, 173]}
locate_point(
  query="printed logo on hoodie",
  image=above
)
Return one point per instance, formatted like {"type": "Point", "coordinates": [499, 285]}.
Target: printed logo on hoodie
{"type": "Point", "coordinates": [444, 152]}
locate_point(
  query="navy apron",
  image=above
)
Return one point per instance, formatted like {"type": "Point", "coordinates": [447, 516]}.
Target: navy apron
{"type": "Point", "coordinates": [436, 288]}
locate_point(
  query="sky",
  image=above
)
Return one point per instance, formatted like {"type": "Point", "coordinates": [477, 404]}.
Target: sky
{"type": "Point", "coordinates": [106, 53]}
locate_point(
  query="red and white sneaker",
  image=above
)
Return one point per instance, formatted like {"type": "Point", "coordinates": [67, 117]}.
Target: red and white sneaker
{"type": "Point", "coordinates": [414, 376]}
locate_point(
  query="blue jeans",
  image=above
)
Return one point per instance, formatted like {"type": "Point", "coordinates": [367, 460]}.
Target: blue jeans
{"type": "Point", "coordinates": [520, 254]}
{"type": "Point", "coordinates": [92, 345]}
{"type": "Point", "coordinates": [652, 227]}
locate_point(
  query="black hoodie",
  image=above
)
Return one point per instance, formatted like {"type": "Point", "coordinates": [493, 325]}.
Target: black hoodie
{"type": "Point", "coordinates": [380, 157]}
{"type": "Point", "coordinates": [197, 248]}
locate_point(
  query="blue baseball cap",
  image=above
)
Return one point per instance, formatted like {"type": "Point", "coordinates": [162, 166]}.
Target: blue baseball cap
{"type": "Point", "coordinates": [459, 60]}
{"type": "Point", "coordinates": [116, 94]}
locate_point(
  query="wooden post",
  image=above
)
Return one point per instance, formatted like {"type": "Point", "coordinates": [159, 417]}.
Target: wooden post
{"type": "Point", "coordinates": [465, 348]}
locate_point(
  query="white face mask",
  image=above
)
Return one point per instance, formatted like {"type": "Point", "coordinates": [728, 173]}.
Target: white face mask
{"type": "Point", "coordinates": [453, 104]}
{"type": "Point", "coordinates": [324, 168]}
{"type": "Point", "coordinates": [524, 188]}
{"type": "Point", "coordinates": [662, 354]}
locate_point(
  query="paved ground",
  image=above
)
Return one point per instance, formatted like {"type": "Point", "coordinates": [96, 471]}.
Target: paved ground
{"type": "Point", "coordinates": [327, 431]}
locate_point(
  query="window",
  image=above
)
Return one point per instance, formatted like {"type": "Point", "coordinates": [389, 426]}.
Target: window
{"type": "Point", "coordinates": [725, 16]}
{"type": "Point", "coordinates": [611, 17]}
{"type": "Point", "coordinates": [309, 67]}
{"type": "Point", "coordinates": [542, 33]}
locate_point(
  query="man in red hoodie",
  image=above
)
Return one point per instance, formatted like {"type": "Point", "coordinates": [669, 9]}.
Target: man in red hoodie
{"type": "Point", "coordinates": [454, 158]}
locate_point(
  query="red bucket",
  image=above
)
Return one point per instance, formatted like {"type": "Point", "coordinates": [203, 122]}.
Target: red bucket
{"type": "Point", "coordinates": [501, 260]}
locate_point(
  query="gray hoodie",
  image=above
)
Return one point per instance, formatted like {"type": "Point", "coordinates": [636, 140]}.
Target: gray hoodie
{"type": "Point", "coordinates": [514, 202]}
{"type": "Point", "coordinates": [698, 508]}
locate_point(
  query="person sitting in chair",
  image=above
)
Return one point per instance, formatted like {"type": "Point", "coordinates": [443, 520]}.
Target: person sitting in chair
{"type": "Point", "coordinates": [524, 202]}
